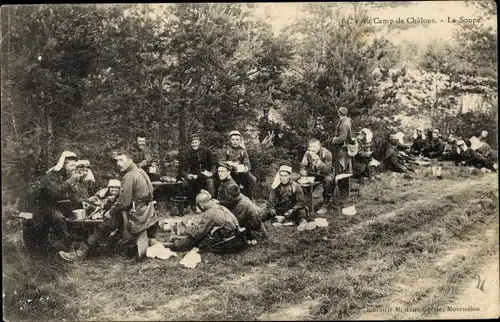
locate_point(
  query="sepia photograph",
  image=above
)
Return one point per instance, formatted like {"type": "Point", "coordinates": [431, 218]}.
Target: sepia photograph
{"type": "Point", "coordinates": [250, 161]}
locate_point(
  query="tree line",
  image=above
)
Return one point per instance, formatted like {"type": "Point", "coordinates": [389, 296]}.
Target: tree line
{"type": "Point", "coordinates": [88, 77]}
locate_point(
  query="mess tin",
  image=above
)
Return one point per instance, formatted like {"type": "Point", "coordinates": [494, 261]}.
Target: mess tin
{"type": "Point", "coordinates": [79, 214]}
{"type": "Point", "coordinates": [240, 168]}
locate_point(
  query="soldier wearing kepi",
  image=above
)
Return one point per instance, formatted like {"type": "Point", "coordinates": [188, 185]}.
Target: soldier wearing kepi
{"type": "Point", "coordinates": [142, 155]}
{"type": "Point", "coordinates": [224, 172]}
{"type": "Point", "coordinates": [248, 215]}
{"type": "Point", "coordinates": [197, 168]}
{"type": "Point", "coordinates": [286, 198]}
{"type": "Point", "coordinates": [237, 156]}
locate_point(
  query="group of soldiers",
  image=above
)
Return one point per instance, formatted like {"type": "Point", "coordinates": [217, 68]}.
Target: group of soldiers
{"type": "Point", "coordinates": [222, 188]}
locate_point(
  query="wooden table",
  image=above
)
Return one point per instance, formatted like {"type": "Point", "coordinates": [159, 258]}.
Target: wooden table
{"type": "Point", "coordinates": [343, 186]}
{"type": "Point", "coordinates": [309, 189]}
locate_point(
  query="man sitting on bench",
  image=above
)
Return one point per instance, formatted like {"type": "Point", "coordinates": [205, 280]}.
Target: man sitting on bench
{"type": "Point", "coordinates": [236, 154]}
{"type": "Point", "coordinates": [317, 162]}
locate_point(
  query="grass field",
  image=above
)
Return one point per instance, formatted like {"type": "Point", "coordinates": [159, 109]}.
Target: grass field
{"type": "Point", "coordinates": [416, 242]}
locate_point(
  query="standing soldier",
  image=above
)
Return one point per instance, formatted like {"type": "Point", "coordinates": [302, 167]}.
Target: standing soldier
{"type": "Point", "coordinates": [342, 162]}
{"type": "Point", "coordinates": [196, 168]}
{"type": "Point", "coordinates": [237, 155]}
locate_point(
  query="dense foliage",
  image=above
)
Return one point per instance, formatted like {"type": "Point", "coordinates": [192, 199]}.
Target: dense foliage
{"type": "Point", "coordinates": [88, 77]}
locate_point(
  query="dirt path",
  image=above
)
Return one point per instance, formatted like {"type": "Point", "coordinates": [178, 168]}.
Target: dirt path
{"type": "Point", "coordinates": [485, 303]}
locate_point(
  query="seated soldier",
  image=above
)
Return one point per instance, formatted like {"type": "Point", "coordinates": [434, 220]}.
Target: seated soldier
{"type": "Point", "coordinates": [467, 156]}
{"type": "Point", "coordinates": [435, 147]}
{"type": "Point", "coordinates": [106, 197]}
{"type": "Point", "coordinates": [84, 185]}
{"type": "Point", "coordinates": [450, 149]}
{"type": "Point", "coordinates": [56, 191]}
{"type": "Point", "coordinates": [418, 142]}
{"type": "Point", "coordinates": [387, 154]}
{"type": "Point", "coordinates": [224, 172]}
{"type": "Point", "coordinates": [362, 159]}
{"type": "Point", "coordinates": [196, 168]}
{"type": "Point", "coordinates": [481, 147]}
{"type": "Point", "coordinates": [236, 154]}
{"type": "Point", "coordinates": [286, 199]}
{"type": "Point", "coordinates": [134, 208]}
{"type": "Point", "coordinates": [317, 162]}
{"type": "Point", "coordinates": [247, 213]}
{"type": "Point", "coordinates": [216, 225]}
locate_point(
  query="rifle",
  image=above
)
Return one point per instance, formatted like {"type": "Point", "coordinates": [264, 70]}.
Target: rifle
{"type": "Point", "coordinates": [225, 240]}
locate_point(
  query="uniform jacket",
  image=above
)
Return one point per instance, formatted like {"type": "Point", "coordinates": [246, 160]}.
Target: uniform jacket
{"type": "Point", "coordinates": [142, 158]}
{"type": "Point", "coordinates": [195, 161]}
{"type": "Point", "coordinates": [325, 166]}
{"type": "Point", "coordinates": [136, 187]}
{"type": "Point", "coordinates": [222, 192]}
{"type": "Point", "coordinates": [436, 147]}
{"type": "Point", "coordinates": [286, 197]}
{"type": "Point", "coordinates": [238, 154]}
{"type": "Point", "coordinates": [217, 216]}
{"type": "Point", "coordinates": [418, 145]}
{"type": "Point", "coordinates": [248, 215]}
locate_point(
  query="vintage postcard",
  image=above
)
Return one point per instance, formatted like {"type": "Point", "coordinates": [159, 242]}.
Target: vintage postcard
{"type": "Point", "coordinates": [250, 161]}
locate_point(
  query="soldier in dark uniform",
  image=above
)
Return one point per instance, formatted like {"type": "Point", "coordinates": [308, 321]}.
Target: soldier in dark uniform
{"type": "Point", "coordinates": [286, 198]}
{"type": "Point", "coordinates": [58, 188]}
{"type": "Point", "coordinates": [142, 154]}
{"type": "Point", "coordinates": [224, 172]}
{"type": "Point", "coordinates": [247, 213]}
{"type": "Point", "coordinates": [197, 168]}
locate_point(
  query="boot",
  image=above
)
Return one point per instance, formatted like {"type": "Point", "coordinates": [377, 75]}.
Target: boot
{"type": "Point", "coordinates": [324, 208]}
{"type": "Point", "coordinates": [76, 255]}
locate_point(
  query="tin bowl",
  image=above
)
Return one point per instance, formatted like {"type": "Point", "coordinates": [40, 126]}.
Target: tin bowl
{"type": "Point", "coordinates": [79, 214]}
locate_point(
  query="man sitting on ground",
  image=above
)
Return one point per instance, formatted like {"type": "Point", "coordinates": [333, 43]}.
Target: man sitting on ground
{"type": "Point", "coordinates": [247, 213]}
{"type": "Point", "coordinates": [435, 148]}
{"type": "Point", "coordinates": [106, 197]}
{"type": "Point", "coordinates": [361, 160]}
{"type": "Point", "coordinates": [196, 168]}
{"type": "Point", "coordinates": [467, 156]}
{"type": "Point", "coordinates": [286, 199]}
{"type": "Point", "coordinates": [224, 172]}
{"type": "Point", "coordinates": [216, 225]}
{"type": "Point", "coordinates": [236, 154]}
{"type": "Point", "coordinates": [317, 162]}
{"type": "Point", "coordinates": [418, 142]}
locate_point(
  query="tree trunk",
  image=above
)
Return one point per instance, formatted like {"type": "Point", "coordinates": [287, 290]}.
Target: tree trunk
{"type": "Point", "coordinates": [160, 126]}
{"type": "Point", "coordinates": [50, 140]}
{"type": "Point", "coordinates": [182, 123]}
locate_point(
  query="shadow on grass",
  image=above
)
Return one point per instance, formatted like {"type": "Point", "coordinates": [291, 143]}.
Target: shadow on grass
{"type": "Point", "coordinates": [29, 284]}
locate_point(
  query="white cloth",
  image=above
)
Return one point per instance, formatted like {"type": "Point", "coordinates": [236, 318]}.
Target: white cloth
{"type": "Point", "coordinates": [277, 181]}
{"type": "Point", "coordinates": [62, 158]}
{"type": "Point", "coordinates": [191, 259]}
{"type": "Point", "coordinates": [349, 211]}
{"type": "Point", "coordinates": [368, 134]}
{"type": "Point", "coordinates": [114, 183]}
{"type": "Point", "coordinates": [475, 143]}
{"type": "Point", "coordinates": [90, 176]}
{"type": "Point", "coordinates": [159, 251]}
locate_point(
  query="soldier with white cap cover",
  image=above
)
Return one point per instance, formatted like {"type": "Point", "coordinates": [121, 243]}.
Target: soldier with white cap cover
{"type": "Point", "coordinates": [236, 154]}
{"type": "Point", "coordinates": [286, 198]}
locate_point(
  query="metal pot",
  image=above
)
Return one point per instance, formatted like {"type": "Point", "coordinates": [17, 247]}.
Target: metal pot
{"type": "Point", "coordinates": [79, 214]}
